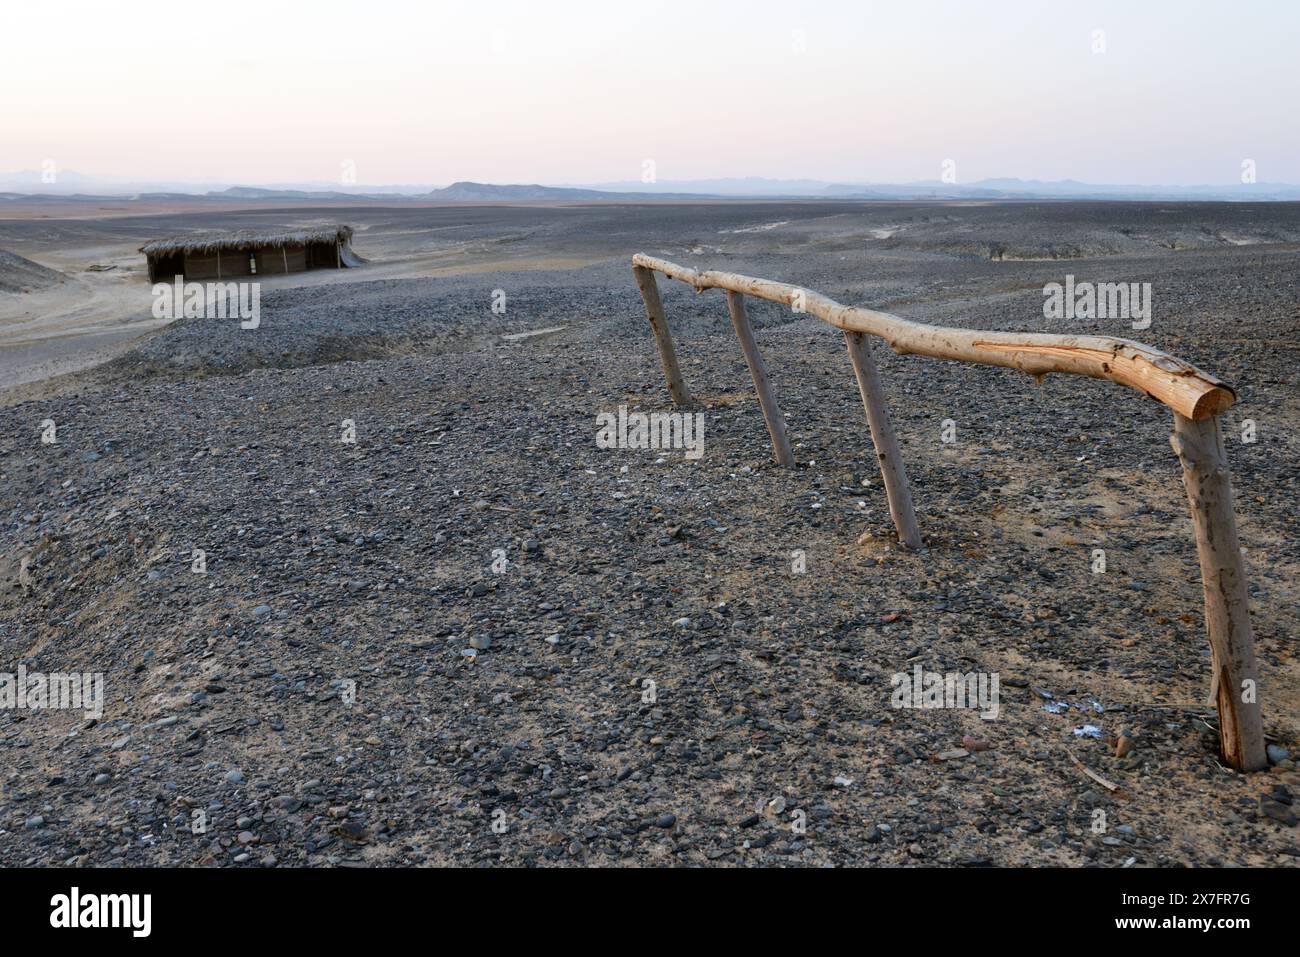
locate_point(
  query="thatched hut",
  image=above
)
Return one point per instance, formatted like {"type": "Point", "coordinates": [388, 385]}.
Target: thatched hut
{"type": "Point", "coordinates": [250, 252]}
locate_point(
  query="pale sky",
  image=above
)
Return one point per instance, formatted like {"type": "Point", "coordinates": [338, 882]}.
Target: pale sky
{"type": "Point", "coordinates": [569, 92]}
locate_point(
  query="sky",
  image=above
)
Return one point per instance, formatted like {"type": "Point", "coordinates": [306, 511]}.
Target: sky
{"type": "Point", "coordinates": [432, 92]}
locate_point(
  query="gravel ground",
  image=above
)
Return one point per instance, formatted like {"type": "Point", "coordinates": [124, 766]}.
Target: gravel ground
{"type": "Point", "coordinates": [650, 680]}
{"type": "Point", "coordinates": [22, 275]}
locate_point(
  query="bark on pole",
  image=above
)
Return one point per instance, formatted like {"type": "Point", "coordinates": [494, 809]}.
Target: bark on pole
{"type": "Point", "coordinates": [762, 385]}
{"type": "Point", "coordinates": [882, 436]}
{"type": "Point", "coordinates": [654, 311]}
{"type": "Point", "coordinates": [1199, 446]}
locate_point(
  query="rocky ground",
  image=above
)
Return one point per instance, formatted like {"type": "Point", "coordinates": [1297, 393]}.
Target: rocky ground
{"type": "Point", "coordinates": [650, 678]}
{"type": "Point", "coordinates": [22, 275]}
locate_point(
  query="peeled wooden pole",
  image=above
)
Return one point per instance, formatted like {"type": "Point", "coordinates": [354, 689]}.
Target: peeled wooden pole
{"type": "Point", "coordinates": [1234, 685]}
{"type": "Point", "coordinates": [654, 310]}
{"type": "Point", "coordinates": [1181, 386]}
{"type": "Point", "coordinates": [762, 385]}
{"type": "Point", "coordinates": [892, 470]}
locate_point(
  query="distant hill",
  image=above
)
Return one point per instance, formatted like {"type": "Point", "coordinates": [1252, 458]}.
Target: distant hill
{"type": "Point", "coordinates": [487, 192]}
{"type": "Point", "coordinates": [1008, 188]}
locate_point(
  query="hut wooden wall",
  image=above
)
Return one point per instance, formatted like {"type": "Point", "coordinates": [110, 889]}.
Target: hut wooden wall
{"type": "Point", "coordinates": [272, 262]}
{"type": "Point", "coordinates": [166, 267]}
{"type": "Point", "coordinates": [204, 266]}
{"type": "Point", "coordinates": [324, 256]}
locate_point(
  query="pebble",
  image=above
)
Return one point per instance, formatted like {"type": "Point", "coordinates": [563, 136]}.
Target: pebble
{"type": "Point", "coordinates": [1276, 754]}
{"type": "Point", "coordinates": [234, 776]}
{"type": "Point", "coordinates": [1277, 812]}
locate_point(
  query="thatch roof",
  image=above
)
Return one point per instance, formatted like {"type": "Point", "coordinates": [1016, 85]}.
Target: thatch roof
{"type": "Point", "coordinates": [247, 239]}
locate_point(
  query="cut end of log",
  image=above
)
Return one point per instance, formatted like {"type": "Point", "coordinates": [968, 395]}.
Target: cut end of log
{"type": "Point", "coordinates": [1214, 402]}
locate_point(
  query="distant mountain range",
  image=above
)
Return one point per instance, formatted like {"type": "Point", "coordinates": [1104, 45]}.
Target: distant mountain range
{"type": "Point", "coordinates": [1001, 188]}
{"type": "Point", "coordinates": [27, 185]}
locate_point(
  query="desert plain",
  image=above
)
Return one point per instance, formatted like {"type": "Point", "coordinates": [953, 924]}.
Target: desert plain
{"type": "Point", "coordinates": [473, 636]}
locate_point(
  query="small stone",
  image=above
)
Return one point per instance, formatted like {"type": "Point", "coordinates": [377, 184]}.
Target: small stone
{"type": "Point", "coordinates": [953, 755]}
{"type": "Point", "coordinates": [102, 778]}
{"type": "Point", "coordinates": [874, 836]}
{"type": "Point", "coordinates": [480, 642]}
{"type": "Point", "coordinates": [35, 821]}
{"type": "Point", "coordinates": [1124, 746]}
{"type": "Point", "coordinates": [1276, 754]}
{"type": "Point", "coordinates": [353, 831]}
{"type": "Point", "coordinates": [843, 782]}
{"type": "Point", "coordinates": [666, 820]}
{"type": "Point", "coordinates": [1278, 812]}
{"type": "Point", "coordinates": [682, 623]}
{"type": "Point", "coordinates": [974, 744]}
{"type": "Point", "coordinates": [234, 776]}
